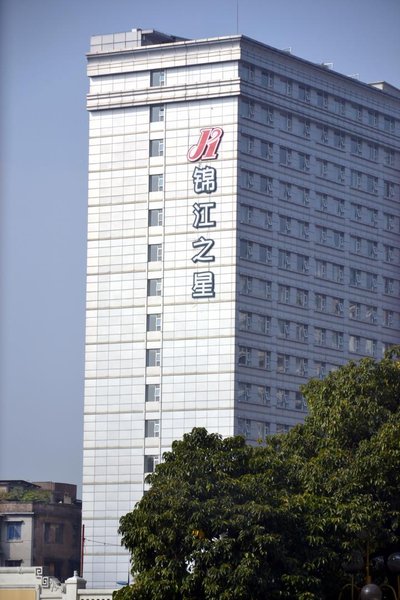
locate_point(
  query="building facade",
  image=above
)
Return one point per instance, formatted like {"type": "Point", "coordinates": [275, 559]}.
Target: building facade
{"type": "Point", "coordinates": [40, 524]}
{"type": "Point", "coordinates": [243, 237]}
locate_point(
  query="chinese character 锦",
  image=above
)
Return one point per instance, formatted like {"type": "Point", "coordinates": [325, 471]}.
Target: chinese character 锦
{"type": "Point", "coordinates": [204, 180]}
{"type": "Point", "coordinates": [203, 285]}
{"type": "Point", "coordinates": [205, 246]}
{"type": "Point", "coordinates": [201, 211]}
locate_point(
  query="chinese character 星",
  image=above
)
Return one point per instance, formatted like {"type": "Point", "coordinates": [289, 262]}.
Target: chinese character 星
{"type": "Point", "coordinates": [203, 285]}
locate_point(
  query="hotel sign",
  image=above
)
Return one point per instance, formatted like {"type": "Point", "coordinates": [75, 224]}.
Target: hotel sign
{"type": "Point", "coordinates": [204, 182]}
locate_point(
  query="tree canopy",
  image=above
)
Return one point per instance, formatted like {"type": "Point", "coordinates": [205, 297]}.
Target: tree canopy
{"type": "Point", "coordinates": [224, 520]}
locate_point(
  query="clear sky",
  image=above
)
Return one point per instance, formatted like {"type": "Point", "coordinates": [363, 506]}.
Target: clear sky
{"type": "Point", "coordinates": [43, 180]}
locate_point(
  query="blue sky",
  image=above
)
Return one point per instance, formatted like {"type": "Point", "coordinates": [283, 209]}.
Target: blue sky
{"type": "Point", "coordinates": [43, 181]}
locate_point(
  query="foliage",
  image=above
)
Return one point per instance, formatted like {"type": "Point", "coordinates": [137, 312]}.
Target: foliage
{"type": "Point", "coordinates": [19, 494]}
{"type": "Point", "coordinates": [223, 520]}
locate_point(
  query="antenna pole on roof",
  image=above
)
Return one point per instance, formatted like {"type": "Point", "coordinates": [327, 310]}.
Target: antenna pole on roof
{"type": "Point", "coordinates": [237, 16]}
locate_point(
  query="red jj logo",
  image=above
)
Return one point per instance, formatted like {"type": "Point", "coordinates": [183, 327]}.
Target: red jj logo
{"type": "Point", "coordinates": [207, 146]}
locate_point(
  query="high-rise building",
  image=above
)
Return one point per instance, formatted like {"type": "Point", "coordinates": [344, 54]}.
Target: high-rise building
{"type": "Point", "coordinates": [244, 227]}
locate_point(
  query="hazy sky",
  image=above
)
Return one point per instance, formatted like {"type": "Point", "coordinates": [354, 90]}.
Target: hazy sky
{"type": "Point", "coordinates": [43, 181]}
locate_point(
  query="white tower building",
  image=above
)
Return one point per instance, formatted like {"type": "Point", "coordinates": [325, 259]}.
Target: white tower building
{"type": "Point", "coordinates": [243, 237]}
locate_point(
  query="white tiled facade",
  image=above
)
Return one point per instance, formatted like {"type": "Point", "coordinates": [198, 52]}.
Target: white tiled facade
{"type": "Point", "coordinates": [217, 286]}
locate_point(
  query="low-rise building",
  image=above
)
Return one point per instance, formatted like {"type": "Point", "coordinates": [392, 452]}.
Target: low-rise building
{"type": "Point", "coordinates": [40, 523]}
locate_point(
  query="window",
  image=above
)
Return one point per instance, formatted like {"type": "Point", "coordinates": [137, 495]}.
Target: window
{"type": "Point", "coordinates": [389, 222]}
{"type": "Point", "coordinates": [152, 428]}
{"type": "Point", "coordinates": [245, 320]}
{"type": "Point", "coordinates": [301, 332]}
{"type": "Point", "coordinates": [285, 156]}
{"type": "Point", "coordinates": [267, 115]}
{"type": "Point", "coordinates": [339, 106]}
{"type": "Point", "coordinates": [246, 249]}
{"type": "Point", "coordinates": [322, 99]}
{"type": "Point", "coordinates": [156, 147]}
{"type": "Point", "coordinates": [354, 343]}
{"type": "Point", "coordinates": [320, 302]}
{"type": "Point", "coordinates": [282, 398]}
{"type": "Point", "coordinates": [284, 328]}
{"type": "Point", "coordinates": [53, 533]}
{"type": "Point", "coordinates": [244, 427]}
{"type": "Point", "coordinates": [337, 306]}
{"type": "Point", "coordinates": [371, 314]}
{"type": "Point", "coordinates": [156, 183]}
{"type": "Point", "coordinates": [373, 152]}
{"type": "Point", "coordinates": [248, 180]}
{"type": "Point", "coordinates": [157, 113]}
{"type": "Point", "coordinates": [153, 392]}
{"type": "Point", "coordinates": [267, 150]}
{"type": "Point", "coordinates": [155, 217]}
{"type": "Point", "coordinates": [321, 268]}
{"type": "Point", "coordinates": [154, 253]}
{"type": "Point", "coordinates": [285, 225]}
{"type": "Point", "coordinates": [263, 359]}
{"type": "Point", "coordinates": [337, 340]}
{"type": "Point", "coordinates": [389, 253]}
{"type": "Point", "coordinates": [248, 110]}
{"type": "Point", "coordinates": [389, 286]}
{"type": "Point", "coordinates": [304, 93]}
{"type": "Point", "coordinates": [356, 146]}
{"type": "Point", "coordinates": [372, 249]}
{"type": "Point", "coordinates": [266, 185]}
{"type": "Point", "coordinates": [301, 297]}
{"type": "Point", "coordinates": [389, 157]}
{"type": "Point", "coordinates": [388, 124]}
{"type": "Point", "coordinates": [370, 347]}
{"type": "Point", "coordinates": [282, 365]}
{"type": "Point", "coordinates": [265, 254]}
{"type": "Point", "coordinates": [304, 162]}
{"type": "Point", "coordinates": [320, 369]}
{"type": "Point", "coordinates": [372, 184]}
{"type": "Point", "coordinates": [248, 72]}
{"type": "Point", "coordinates": [282, 428]}
{"type": "Point", "coordinates": [150, 463]}
{"type": "Point", "coordinates": [284, 259]}
{"type": "Point", "coordinates": [356, 178]}
{"type": "Point", "coordinates": [264, 394]}
{"type": "Point", "coordinates": [355, 277]}
{"type": "Point", "coordinates": [244, 356]}
{"type": "Point", "coordinates": [301, 366]}
{"type": "Point", "coordinates": [302, 263]}
{"type": "Point", "coordinates": [320, 336]}
{"type": "Point", "coordinates": [267, 79]}
{"type": "Point", "coordinates": [284, 294]}
{"type": "Point", "coordinates": [153, 357]}
{"type": "Point", "coordinates": [388, 318]}
{"type": "Point", "coordinates": [305, 127]}
{"type": "Point", "coordinates": [262, 429]}
{"type": "Point", "coordinates": [154, 287]}
{"type": "Point", "coordinates": [354, 310]}
{"type": "Point", "coordinates": [372, 118]}
{"type": "Point", "coordinates": [154, 322]}
{"type": "Point", "coordinates": [299, 402]}
{"type": "Point", "coordinates": [244, 392]}
{"type": "Point", "coordinates": [357, 112]}
{"type": "Point", "coordinates": [339, 139]}
{"type": "Point", "coordinates": [13, 532]}
{"type": "Point", "coordinates": [388, 189]}
{"type": "Point", "coordinates": [157, 78]}
{"type": "Point", "coordinates": [371, 281]}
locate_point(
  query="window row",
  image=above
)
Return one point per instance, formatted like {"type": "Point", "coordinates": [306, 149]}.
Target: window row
{"type": "Point", "coordinates": [323, 134]}
{"type": "Point", "coordinates": [337, 206]}
{"type": "Point", "coordinates": [333, 172]}
{"type": "Point", "coordinates": [261, 394]}
{"type": "Point", "coordinates": [318, 98]}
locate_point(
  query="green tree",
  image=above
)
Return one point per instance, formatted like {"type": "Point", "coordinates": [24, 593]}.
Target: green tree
{"type": "Point", "coordinates": [223, 520]}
